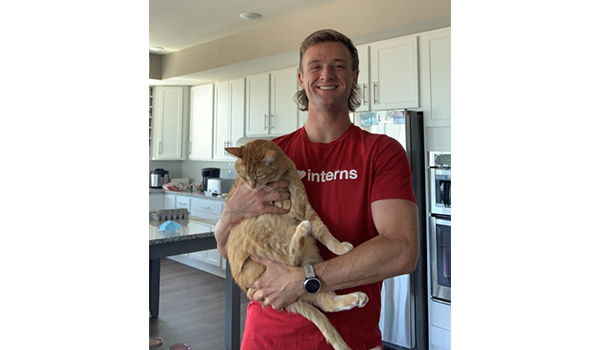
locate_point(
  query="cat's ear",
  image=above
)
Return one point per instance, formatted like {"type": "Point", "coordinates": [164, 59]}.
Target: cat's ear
{"type": "Point", "coordinates": [270, 156]}
{"type": "Point", "coordinates": [236, 151]}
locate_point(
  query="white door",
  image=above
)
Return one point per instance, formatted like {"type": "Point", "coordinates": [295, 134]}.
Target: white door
{"type": "Point", "coordinates": [257, 104]}
{"type": "Point", "coordinates": [222, 118]}
{"type": "Point", "coordinates": [201, 122]}
{"type": "Point", "coordinates": [284, 111]}
{"type": "Point", "coordinates": [394, 74]}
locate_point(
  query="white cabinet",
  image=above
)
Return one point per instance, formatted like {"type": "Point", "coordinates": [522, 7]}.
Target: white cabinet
{"type": "Point", "coordinates": [363, 77]}
{"type": "Point", "coordinates": [229, 116]}
{"type": "Point", "coordinates": [440, 321]}
{"type": "Point", "coordinates": [182, 202]}
{"type": "Point", "coordinates": [170, 201]}
{"type": "Point", "coordinates": [284, 111]}
{"type": "Point", "coordinates": [435, 64]}
{"type": "Point", "coordinates": [170, 108]}
{"type": "Point", "coordinates": [156, 201]}
{"type": "Point", "coordinates": [270, 108]}
{"type": "Point", "coordinates": [394, 69]}
{"type": "Point", "coordinates": [201, 122]}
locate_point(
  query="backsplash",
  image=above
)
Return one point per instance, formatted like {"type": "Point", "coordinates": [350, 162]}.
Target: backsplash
{"type": "Point", "coordinates": [192, 169]}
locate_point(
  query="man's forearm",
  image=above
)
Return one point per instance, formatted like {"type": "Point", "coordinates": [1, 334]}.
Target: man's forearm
{"type": "Point", "coordinates": [373, 261]}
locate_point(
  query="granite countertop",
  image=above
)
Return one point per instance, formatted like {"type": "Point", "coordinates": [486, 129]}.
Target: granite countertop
{"type": "Point", "coordinates": [199, 194]}
{"type": "Point", "coordinates": [190, 229]}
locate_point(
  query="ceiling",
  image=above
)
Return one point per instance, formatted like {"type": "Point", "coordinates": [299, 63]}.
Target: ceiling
{"type": "Point", "coordinates": [198, 35]}
{"type": "Point", "coordinates": [180, 24]}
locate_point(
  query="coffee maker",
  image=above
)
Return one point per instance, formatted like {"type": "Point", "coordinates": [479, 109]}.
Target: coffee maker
{"type": "Point", "coordinates": [209, 173]}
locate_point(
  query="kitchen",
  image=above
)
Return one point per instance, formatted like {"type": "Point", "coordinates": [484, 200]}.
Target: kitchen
{"type": "Point", "coordinates": [198, 107]}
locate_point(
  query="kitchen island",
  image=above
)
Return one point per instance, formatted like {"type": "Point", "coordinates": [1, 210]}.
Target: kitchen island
{"type": "Point", "coordinates": [191, 237]}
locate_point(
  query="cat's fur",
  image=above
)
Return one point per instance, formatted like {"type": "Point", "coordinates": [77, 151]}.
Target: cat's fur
{"type": "Point", "coordinates": [286, 238]}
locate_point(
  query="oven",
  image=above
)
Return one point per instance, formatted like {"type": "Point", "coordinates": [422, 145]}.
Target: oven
{"type": "Point", "coordinates": [440, 246]}
{"type": "Point", "coordinates": [440, 191]}
{"type": "Point", "coordinates": [440, 200]}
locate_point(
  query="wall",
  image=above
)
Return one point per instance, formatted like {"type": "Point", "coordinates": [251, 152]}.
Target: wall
{"type": "Point", "coordinates": [363, 21]}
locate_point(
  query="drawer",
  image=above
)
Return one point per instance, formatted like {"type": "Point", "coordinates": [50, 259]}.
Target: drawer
{"type": "Point", "coordinates": [207, 206]}
{"type": "Point", "coordinates": [182, 202]}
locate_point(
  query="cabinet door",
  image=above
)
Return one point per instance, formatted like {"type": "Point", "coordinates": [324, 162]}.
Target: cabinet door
{"type": "Point", "coordinates": [238, 88]}
{"type": "Point", "coordinates": [222, 119]}
{"type": "Point", "coordinates": [394, 74]}
{"type": "Point", "coordinates": [284, 111]}
{"type": "Point", "coordinates": [170, 201]}
{"type": "Point", "coordinates": [201, 122]}
{"type": "Point", "coordinates": [157, 201]}
{"type": "Point", "coordinates": [257, 104]}
{"type": "Point", "coordinates": [435, 55]}
{"type": "Point", "coordinates": [363, 77]}
{"type": "Point", "coordinates": [169, 123]}
{"type": "Point", "coordinates": [182, 202]}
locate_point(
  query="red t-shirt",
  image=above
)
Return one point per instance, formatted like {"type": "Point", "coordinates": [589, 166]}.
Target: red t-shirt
{"type": "Point", "coordinates": [342, 179]}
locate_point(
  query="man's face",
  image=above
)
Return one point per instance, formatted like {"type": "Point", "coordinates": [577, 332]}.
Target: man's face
{"type": "Point", "coordinates": [327, 76]}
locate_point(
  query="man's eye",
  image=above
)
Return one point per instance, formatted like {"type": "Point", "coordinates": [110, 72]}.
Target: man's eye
{"type": "Point", "coordinates": [314, 67]}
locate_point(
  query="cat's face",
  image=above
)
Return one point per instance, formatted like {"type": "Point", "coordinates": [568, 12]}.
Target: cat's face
{"type": "Point", "coordinates": [257, 164]}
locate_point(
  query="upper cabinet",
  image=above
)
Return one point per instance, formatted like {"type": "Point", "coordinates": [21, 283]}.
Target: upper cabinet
{"type": "Point", "coordinates": [229, 117]}
{"type": "Point", "coordinates": [270, 108]}
{"type": "Point", "coordinates": [388, 74]}
{"type": "Point", "coordinates": [170, 107]}
{"type": "Point", "coordinates": [363, 77]}
{"type": "Point", "coordinates": [201, 122]}
{"type": "Point", "coordinates": [435, 63]}
{"type": "Point", "coordinates": [394, 74]}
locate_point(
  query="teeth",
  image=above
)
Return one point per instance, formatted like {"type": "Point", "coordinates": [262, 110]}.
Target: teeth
{"type": "Point", "coordinates": [327, 87]}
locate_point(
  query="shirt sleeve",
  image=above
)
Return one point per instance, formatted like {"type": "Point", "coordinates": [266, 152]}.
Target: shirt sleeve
{"type": "Point", "coordinates": [392, 175]}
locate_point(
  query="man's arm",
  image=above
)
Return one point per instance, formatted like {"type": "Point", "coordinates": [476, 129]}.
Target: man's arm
{"type": "Point", "coordinates": [394, 252]}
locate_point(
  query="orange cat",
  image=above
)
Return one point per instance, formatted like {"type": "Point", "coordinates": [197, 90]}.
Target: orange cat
{"type": "Point", "coordinates": [286, 238]}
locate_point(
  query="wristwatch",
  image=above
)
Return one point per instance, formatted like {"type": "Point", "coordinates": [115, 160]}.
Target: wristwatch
{"type": "Point", "coordinates": [311, 284]}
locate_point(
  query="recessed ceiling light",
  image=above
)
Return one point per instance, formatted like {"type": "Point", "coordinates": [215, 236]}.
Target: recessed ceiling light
{"type": "Point", "coordinates": [250, 15]}
{"type": "Point", "coordinates": [156, 48]}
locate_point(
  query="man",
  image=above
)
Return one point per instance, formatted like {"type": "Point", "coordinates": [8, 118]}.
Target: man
{"type": "Point", "coordinates": [360, 185]}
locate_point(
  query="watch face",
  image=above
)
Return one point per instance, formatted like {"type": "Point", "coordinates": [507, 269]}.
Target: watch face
{"type": "Point", "coordinates": [312, 285]}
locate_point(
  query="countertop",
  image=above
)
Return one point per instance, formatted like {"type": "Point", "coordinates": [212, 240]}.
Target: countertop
{"type": "Point", "coordinates": [190, 229]}
{"type": "Point", "coordinates": [198, 194]}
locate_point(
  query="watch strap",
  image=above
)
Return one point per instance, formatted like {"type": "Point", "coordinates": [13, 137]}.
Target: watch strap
{"type": "Point", "coordinates": [309, 270]}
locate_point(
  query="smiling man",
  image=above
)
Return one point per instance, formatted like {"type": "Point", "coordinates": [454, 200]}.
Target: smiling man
{"type": "Point", "coordinates": [359, 183]}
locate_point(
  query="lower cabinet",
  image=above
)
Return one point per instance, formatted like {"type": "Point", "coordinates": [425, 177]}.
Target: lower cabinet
{"type": "Point", "coordinates": [439, 326]}
{"type": "Point", "coordinates": [157, 201]}
{"type": "Point", "coordinates": [209, 211]}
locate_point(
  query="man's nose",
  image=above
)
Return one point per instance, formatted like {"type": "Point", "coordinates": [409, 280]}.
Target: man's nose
{"type": "Point", "coordinates": [326, 73]}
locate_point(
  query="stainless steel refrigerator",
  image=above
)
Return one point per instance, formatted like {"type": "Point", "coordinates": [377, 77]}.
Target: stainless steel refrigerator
{"type": "Point", "coordinates": [403, 321]}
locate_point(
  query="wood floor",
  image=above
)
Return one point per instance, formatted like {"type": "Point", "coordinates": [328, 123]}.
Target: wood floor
{"type": "Point", "coordinates": [191, 309]}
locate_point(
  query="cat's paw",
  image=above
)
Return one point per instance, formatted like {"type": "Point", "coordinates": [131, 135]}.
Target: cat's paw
{"type": "Point", "coordinates": [343, 248]}
{"type": "Point", "coordinates": [361, 299]}
{"type": "Point", "coordinates": [284, 204]}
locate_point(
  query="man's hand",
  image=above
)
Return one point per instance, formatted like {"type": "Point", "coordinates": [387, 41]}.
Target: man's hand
{"type": "Point", "coordinates": [245, 203]}
{"type": "Point", "coordinates": [279, 285]}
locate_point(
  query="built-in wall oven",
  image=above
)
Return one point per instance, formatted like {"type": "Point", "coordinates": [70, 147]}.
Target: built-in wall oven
{"type": "Point", "coordinates": [440, 180]}
{"type": "Point", "coordinates": [440, 225]}
{"type": "Point", "coordinates": [441, 259]}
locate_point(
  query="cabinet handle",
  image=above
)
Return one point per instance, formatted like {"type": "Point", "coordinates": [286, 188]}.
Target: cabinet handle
{"type": "Point", "coordinates": [159, 147]}
{"type": "Point", "coordinates": [272, 121]}
{"type": "Point", "coordinates": [190, 148]}
{"type": "Point", "coordinates": [364, 93]}
{"type": "Point", "coordinates": [265, 121]}
{"type": "Point", "coordinates": [375, 93]}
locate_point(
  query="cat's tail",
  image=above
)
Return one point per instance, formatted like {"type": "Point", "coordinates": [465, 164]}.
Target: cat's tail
{"type": "Point", "coordinates": [320, 320]}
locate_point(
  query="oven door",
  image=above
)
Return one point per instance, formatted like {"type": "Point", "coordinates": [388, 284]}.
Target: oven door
{"type": "Point", "coordinates": [440, 260]}
{"type": "Point", "coordinates": [441, 195]}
